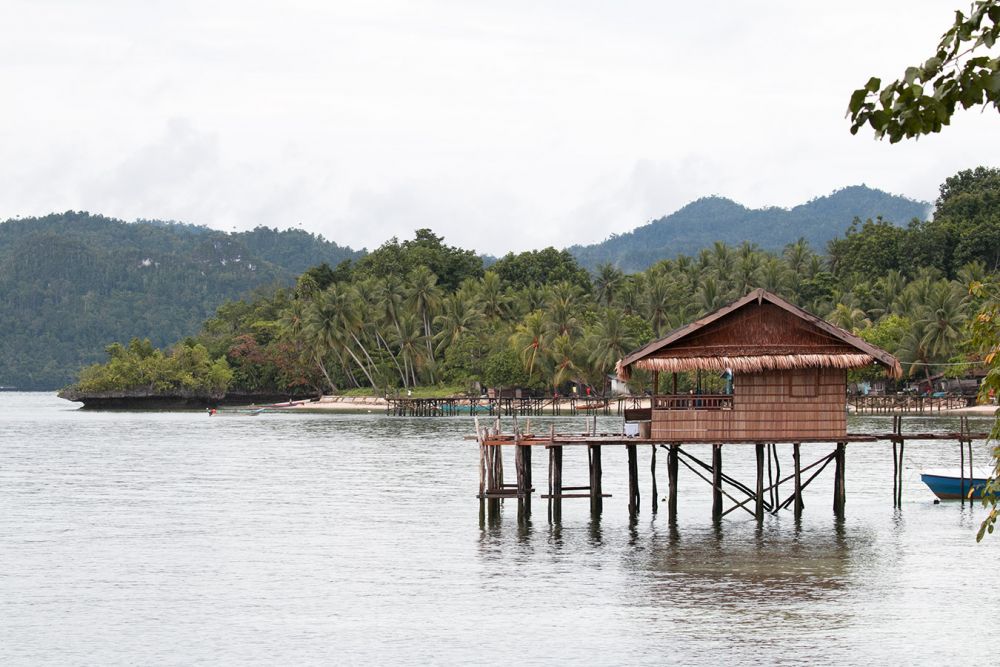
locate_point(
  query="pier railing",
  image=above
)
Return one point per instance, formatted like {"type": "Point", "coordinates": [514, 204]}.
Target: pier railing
{"type": "Point", "coordinates": [693, 402]}
{"type": "Point", "coordinates": [888, 404]}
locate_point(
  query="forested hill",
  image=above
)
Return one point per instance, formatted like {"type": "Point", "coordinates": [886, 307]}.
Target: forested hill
{"type": "Point", "coordinates": [71, 283]}
{"type": "Point", "coordinates": [699, 224]}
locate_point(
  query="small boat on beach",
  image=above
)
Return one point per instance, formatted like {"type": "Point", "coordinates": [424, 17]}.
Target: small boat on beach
{"type": "Point", "coordinates": [947, 485]}
{"type": "Point", "coordinates": [249, 412]}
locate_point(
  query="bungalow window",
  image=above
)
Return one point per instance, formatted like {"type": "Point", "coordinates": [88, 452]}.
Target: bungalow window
{"type": "Point", "coordinates": [803, 383]}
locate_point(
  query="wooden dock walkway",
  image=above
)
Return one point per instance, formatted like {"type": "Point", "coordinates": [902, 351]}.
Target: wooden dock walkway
{"type": "Point", "coordinates": [756, 500]}
{"type": "Point", "coordinates": [906, 404]}
{"type": "Point", "coordinates": [456, 406]}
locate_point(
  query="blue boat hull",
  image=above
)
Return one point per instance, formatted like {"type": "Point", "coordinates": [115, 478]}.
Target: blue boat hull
{"type": "Point", "coordinates": [950, 488]}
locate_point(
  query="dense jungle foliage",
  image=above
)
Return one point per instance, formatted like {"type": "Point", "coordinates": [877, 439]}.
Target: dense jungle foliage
{"type": "Point", "coordinates": [71, 282]}
{"type": "Point", "coordinates": [187, 368]}
{"type": "Point", "coordinates": [390, 321]}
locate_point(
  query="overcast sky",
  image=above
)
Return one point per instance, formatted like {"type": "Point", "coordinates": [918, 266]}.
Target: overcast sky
{"type": "Point", "coordinates": [501, 125]}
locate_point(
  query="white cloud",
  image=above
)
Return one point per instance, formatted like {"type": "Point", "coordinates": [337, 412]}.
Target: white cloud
{"type": "Point", "coordinates": [501, 126]}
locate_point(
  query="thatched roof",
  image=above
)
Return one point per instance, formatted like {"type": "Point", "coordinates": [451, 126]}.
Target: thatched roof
{"type": "Point", "coordinates": [759, 332]}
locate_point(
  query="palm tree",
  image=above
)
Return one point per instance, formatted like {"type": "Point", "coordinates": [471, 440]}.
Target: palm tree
{"type": "Point", "coordinates": [460, 315]}
{"type": "Point", "coordinates": [657, 303]}
{"type": "Point", "coordinates": [495, 301]}
{"type": "Point", "coordinates": [410, 342]}
{"type": "Point", "coordinates": [565, 354]}
{"type": "Point", "coordinates": [797, 256]}
{"type": "Point", "coordinates": [608, 342]}
{"type": "Point", "coordinates": [299, 325]}
{"type": "Point", "coordinates": [774, 276]}
{"type": "Point", "coordinates": [379, 304]}
{"type": "Point", "coordinates": [973, 272]}
{"type": "Point", "coordinates": [561, 309]}
{"type": "Point", "coordinates": [339, 308]}
{"type": "Point", "coordinates": [944, 318]}
{"type": "Point", "coordinates": [887, 290]}
{"type": "Point", "coordinates": [710, 296]}
{"type": "Point", "coordinates": [526, 300]}
{"type": "Point", "coordinates": [747, 266]}
{"type": "Point", "coordinates": [320, 334]}
{"type": "Point", "coordinates": [849, 318]}
{"type": "Point", "coordinates": [424, 299]}
{"type": "Point", "coordinates": [607, 283]}
{"type": "Point", "coordinates": [631, 294]}
{"type": "Point", "coordinates": [914, 351]}
{"type": "Point", "coordinates": [531, 341]}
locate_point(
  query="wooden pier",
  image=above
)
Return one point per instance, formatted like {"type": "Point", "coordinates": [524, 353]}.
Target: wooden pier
{"type": "Point", "coordinates": [772, 496]}
{"type": "Point", "coordinates": [905, 404]}
{"type": "Point", "coordinates": [402, 406]}
{"type": "Point", "coordinates": [786, 383]}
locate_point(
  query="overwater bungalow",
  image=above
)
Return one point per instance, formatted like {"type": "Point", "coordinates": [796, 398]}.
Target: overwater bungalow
{"type": "Point", "coordinates": [788, 371]}
{"type": "Point", "coordinates": [789, 375]}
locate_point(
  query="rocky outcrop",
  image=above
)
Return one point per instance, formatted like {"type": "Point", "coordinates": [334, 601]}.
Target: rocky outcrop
{"type": "Point", "coordinates": [141, 398]}
{"type": "Point", "coordinates": [148, 399]}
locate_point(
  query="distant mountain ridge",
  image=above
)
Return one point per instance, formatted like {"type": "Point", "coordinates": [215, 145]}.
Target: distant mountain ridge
{"type": "Point", "coordinates": [70, 283]}
{"type": "Point", "coordinates": [702, 222]}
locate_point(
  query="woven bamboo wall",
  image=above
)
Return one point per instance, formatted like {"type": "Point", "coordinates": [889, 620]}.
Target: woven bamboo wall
{"type": "Point", "coordinates": [771, 405]}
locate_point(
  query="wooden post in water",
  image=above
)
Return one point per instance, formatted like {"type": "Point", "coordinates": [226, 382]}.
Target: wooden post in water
{"type": "Point", "coordinates": [522, 465]}
{"type": "Point", "coordinates": [633, 481]}
{"type": "Point", "coordinates": [797, 457]}
{"type": "Point", "coordinates": [899, 489]}
{"type": "Point", "coordinates": [839, 486]}
{"type": "Point", "coordinates": [770, 480]}
{"type": "Point", "coordinates": [652, 472]}
{"type": "Point", "coordinates": [596, 497]}
{"type": "Point", "coordinates": [526, 456]}
{"type": "Point", "coordinates": [716, 482]}
{"type": "Point", "coordinates": [964, 425]}
{"type": "Point", "coordinates": [672, 457]}
{"type": "Point", "coordinates": [555, 477]}
{"type": "Point", "coordinates": [759, 500]}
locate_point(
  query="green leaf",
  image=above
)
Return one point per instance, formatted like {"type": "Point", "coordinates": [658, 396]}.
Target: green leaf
{"type": "Point", "coordinates": [932, 66]}
{"type": "Point", "coordinates": [873, 84]}
{"type": "Point", "coordinates": [857, 100]}
{"type": "Point", "coordinates": [993, 82]}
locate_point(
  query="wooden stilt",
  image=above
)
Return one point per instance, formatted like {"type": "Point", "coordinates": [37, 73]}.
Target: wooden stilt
{"type": "Point", "coordinates": [895, 473]}
{"type": "Point", "coordinates": [961, 465]}
{"type": "Point", "coordinates": [498, 462]}
{"type": "Point", "coordinates": [759, 500]}
{"type": "Point", "coordinates": [633, 480]}
{"type": "Point", "coordinates": [716, 482]}
{"type": "Point", "coordinates": [797, 458]}
{"type": "Point", "coordinates": [596, 494]}
{"type": "Point", "coordinates": [899, 487]}
{"type": "Point", "coordinates": [971, 471]}
{"type": "Point", "coordinates": [555, 470]}
{"type": "Point", "coordinates": [839, 487]}
{"type": "Point", "coordinates": [652, 472]}
{"type": "Point", "coordinates": [777, 472]}
{"type": "Point", "coordinates": [672, 482]}
{"type": "Point", "coordinates": [526, 456]}
{"type": "Point", "coordinates": [770, 479]}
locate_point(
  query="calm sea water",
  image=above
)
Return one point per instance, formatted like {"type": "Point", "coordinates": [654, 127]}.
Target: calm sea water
{"type": "Point", "coordinates": [175, 538]}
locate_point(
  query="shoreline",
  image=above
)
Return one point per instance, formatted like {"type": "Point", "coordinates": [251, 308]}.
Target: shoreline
{"type": "Point", "coordinates": [368, 404]}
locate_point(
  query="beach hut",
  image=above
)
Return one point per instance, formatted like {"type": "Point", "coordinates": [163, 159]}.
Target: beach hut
{"type": "Point", "coordinates": [789, 374]}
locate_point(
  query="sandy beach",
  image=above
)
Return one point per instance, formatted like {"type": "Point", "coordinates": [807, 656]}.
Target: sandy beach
{"type": "Point", "coordinates": [343, 404]}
